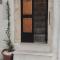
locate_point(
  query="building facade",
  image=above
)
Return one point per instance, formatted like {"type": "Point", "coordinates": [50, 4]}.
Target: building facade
{"type": "Point", "coordinates": [31, 51]}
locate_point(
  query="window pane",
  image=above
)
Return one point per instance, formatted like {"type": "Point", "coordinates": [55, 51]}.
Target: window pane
{"type": "Point", "coordinates": [27, 7]}
{"type": "Point", "coordinates": [27, 25]}
{"type": "Point", "coordinates": [40, 19]}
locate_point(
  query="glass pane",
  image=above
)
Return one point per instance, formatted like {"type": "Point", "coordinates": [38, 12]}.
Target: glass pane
{"type": "Point", "coordinates": [27, 25]}
{"type": "Point", "coordinates": [27, 7]}
{"type": "Point", "coordinates": [40, 20]}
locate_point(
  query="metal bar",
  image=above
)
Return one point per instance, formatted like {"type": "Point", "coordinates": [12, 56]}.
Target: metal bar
{"type": "Point", "coordinates": [49, 17]}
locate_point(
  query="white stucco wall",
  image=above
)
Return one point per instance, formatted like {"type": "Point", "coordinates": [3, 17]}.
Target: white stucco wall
{"type": "Point", "coordinates": [1, 29]}
{"type": "Point", "coordinates": [3, 26]}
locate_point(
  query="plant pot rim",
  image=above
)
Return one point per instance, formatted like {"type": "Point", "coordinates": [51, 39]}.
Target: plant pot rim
{"type": "Point", "coordinates": [5, 52]}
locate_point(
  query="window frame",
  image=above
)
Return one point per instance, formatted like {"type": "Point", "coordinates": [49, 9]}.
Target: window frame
{"type": "Point", "coordinates": [31, 34]}
{"type": "Point", "coordinates": [17, 29]}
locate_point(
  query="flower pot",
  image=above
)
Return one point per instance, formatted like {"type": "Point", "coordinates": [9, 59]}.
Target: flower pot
{"type": "Point", "coordinates": [8, 57]}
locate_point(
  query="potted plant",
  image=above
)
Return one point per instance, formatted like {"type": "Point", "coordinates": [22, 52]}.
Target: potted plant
{"type": "Point", "coordinates": [7, 53]}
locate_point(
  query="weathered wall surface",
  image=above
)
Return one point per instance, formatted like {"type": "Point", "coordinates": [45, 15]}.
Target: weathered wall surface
{"type": "Point", "coordinates": [3, 26]}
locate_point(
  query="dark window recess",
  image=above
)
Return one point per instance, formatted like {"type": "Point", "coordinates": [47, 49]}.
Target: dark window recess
{"type": "Point", "coordinates": [0, 1]}
{"type": "Point", "coordinates": [34, 20]}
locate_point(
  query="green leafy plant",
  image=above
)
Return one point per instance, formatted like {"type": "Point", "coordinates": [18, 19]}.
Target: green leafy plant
{"type": "Point", "coordinates": [9, 44]}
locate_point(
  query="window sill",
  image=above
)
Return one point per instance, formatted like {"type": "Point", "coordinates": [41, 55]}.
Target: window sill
{"type": "Point", "coordinates": [33, 47]}
{"type": "Point", "coordinates": [32, 53]}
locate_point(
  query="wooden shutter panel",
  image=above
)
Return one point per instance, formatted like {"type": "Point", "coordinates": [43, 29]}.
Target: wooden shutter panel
{"type": "Point", "coordinates": [27, 25]}
{"type": "Point", "coordinates": [27, 7]}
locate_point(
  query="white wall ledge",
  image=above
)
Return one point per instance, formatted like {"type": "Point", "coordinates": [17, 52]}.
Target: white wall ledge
{"type": "Point", "coordinates": [35, 47]}
{"type": "Point", "coordinates": [32, 53]}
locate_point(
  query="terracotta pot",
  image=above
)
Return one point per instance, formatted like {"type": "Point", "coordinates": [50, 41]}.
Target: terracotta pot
{"type": "Point", "coordinates": [8, 57]}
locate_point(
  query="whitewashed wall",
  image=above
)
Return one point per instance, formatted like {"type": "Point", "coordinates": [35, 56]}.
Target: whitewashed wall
{"type": "Point", "coordinates": [2, 33]}
{"type": "Point", "coordinates": [3, 26]}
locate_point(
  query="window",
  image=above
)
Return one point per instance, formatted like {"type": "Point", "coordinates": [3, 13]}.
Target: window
{"type": "Point", "coordinates": [29, 31]}
{"type": "Point", "coordinates": [0, 1]}
{"type": "Point", "coordinates": [34, 21]}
